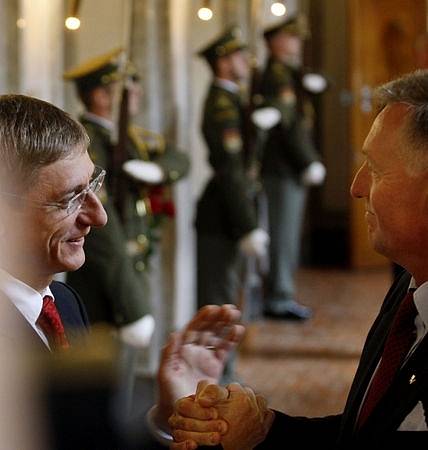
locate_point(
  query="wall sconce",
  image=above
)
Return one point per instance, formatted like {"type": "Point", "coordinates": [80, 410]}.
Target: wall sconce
{"type": "Point", "coordinates": [72, 22]}
{"type": "Point", "coordinates": [205, 12]}
{"type": "Point", "coordinates": [278, 9]}
{"type": "Point", "coordinates": [21, 23]}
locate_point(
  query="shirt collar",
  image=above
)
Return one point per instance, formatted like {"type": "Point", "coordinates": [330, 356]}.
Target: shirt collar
{"type": "Point", "coordinates": [102, 121]}
{"type": "Point", "coordinates": [421, 300]}
{"type": "Point", "coordinates": [26, 299]}
{"type": "Point", "coordinates": [228, 85]}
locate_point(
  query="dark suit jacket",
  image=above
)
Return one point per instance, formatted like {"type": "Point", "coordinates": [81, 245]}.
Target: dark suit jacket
{"type": "Point", "coordinates": [70, 308]}
{"type": "Point", "coordinates": [399, 401]}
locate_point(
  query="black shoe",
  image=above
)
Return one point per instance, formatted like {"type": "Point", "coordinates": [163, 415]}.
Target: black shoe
{"type": "Point", "coordinates": [293, 311]}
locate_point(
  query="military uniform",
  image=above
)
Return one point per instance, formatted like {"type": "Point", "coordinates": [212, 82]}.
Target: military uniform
{"type": "Point", "coordinates": [112, 282]}
{"type": "Point", "coordinates": [225, 211]}
{"type": "Point", "coordinates": [288, 151]}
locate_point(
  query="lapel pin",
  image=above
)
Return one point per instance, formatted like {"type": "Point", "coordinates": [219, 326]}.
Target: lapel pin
{"type": "Point", "coordinates": [412, 379]}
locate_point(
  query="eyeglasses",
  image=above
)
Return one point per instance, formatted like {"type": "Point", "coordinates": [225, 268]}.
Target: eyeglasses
{"type": "Point", "coordinates": [76, 202]}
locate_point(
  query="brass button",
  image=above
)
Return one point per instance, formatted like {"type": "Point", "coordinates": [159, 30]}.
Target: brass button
{"type": "Point", "coordinates": [142, 239]}
{"type": "Point", "coordinates": [140, 266]}
{"type": "Point", "coordinates": [173, 175]}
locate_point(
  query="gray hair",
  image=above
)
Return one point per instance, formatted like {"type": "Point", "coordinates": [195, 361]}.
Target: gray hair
{"type": "Point", "coordinates": [34, 134]}
{"type": "Point", "coordinates": [412, 90]}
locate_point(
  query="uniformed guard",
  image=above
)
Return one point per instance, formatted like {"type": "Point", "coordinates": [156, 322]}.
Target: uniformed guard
{"type": "Point", "coordinates": [113, 280]}
{"type": "Point", "coordinates": [290, 161]}
{"type": "Point", "coordinates": [226, 220]}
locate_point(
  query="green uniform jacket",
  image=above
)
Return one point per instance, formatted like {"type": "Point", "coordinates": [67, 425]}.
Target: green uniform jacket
{"type": "Point", "coordinates": [289, 146]}
{"type": "Point", "coordinates": [225, 208]}
{"type": "Point", "coordinates": [112, 282]}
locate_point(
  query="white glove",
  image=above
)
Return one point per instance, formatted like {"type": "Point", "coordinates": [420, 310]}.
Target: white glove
{"type": "Point", "coordinates": [145, 171]}
{"type": "Point", "coordinates": [314, 174]}
{"type": "Point", "coordinates": [254, 243]}
{"type": "Point", "coordinates": [138, 333]}
{"type": "Point", "coordinates": [266, 118]}
{"type": "Point", "coordinates": [314, 83]}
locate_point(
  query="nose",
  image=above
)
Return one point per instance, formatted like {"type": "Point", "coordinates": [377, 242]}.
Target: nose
{"type": "Point", "coordinates": [360, 184]}
{"type": "Point", "coordinates": [92, 212]}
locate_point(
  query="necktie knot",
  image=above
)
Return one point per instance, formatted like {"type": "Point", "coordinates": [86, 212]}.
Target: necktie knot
{"type": "Point", "coordinates": [397, 345]}
{"type": "Point", "coordinates": [50, 322]}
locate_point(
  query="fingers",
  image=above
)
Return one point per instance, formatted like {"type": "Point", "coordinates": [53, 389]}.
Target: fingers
{"type": "Point", "coordinates": [212, 318]}
{"type": "Point", "coordinates": [185, 445]}
{"type": "Point", "coordinates": [211, 394]}
{"type": "Point", "coordinates": [268, 415]}
{"type": "Point", "coordinates": [235, 387]}
{"type": "Point", "coordinates": [177, 422]}
{"type": "Point", "coordinates": [261, 402]}
{"type": "Point", "coordinates": [209, 439]}
{"type": "Point", "coordinates": [201, 386]}
{"type": "Point", "coordinates": [188, 407]}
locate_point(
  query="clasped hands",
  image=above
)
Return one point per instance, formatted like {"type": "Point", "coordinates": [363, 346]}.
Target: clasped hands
{"type": "Point", "coordinates": [233, 416]}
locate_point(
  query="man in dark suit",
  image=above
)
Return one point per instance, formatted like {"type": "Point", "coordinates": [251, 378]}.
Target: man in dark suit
{"type": "Point", "coordinates": [48, 186]}
{"type": "Point", "coordinates": [48, 204]}
{"type": "Point", "coordinates": [390, 389]}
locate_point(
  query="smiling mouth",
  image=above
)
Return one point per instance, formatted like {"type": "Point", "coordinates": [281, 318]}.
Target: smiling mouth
{"type": "Point", "coordinates": [76, 240]}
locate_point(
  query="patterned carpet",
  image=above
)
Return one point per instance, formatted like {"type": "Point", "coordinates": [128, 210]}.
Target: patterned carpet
{"type": "Point", "coordinates": [307, 368]}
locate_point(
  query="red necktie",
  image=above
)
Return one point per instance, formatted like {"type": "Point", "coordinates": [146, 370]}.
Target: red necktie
{"type": "Point", "coordinates": [398, 343]}
{"type": "Point", "coordinates": [50, 322]}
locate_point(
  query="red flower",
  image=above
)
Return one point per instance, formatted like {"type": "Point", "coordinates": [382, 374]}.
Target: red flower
{"type": "Point", "coordinates": [160, 205]}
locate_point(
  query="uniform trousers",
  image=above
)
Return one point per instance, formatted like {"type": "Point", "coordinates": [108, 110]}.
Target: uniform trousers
{"type": "Point", "coordinates": [218, 270]}
{"type": "Point", "coordinates": [219, 279]}
{"type": "Point", "coordinates": [286, 199]}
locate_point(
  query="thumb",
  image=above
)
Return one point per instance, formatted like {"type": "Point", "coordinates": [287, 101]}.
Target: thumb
{"type": "Point", "coordinates": [211, 394]}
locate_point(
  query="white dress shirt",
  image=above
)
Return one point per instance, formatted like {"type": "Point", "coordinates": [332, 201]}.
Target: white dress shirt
{"type": "Point", "coordinates": [27, 300]}
{"type": "Point", "coordinates": [415, 421]}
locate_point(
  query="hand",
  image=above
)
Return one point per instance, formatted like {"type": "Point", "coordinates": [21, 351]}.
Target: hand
{"type": "Point", "coordinates": [144, 171]}
{"type": "Point", "coordinates": [247, 417]}
{"type": "Point", "coordinates": [314, 83]}
{"type": "Point", "coordinates": [254, 243]}
{"type": "Point", "coordinates": [138, 333]}
{"type": "Point", "coordinates": [266, 118]}
{"type": "Point", "coordinates": [314, 174]}
{"type": "Point", "coordinates": [198, 352]}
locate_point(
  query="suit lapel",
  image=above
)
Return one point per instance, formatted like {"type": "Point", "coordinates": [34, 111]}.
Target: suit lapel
{"type": "Point", "coordinates": [16, 329]}
{"type": "Point", "coordinates": [404, 394]}
{"type": "Point", "coordinates": [372, 352]}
